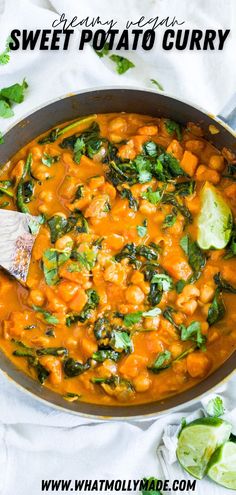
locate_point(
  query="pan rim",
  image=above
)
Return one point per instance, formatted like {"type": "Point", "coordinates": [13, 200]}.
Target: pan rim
{"type": "Point", "coordinates": [193, 391]}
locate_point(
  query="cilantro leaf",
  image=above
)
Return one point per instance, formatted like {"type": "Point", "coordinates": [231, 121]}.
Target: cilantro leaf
{"type": "Point", "coordinates": [156, 83]}
{"type": "Point", "coordinates": [104, 51]}
{"type": "Point", "coordinates": [153, 197]}
{"type": "Point", "coordinates": [164, 282]}
{"type": "Point", "coordinates": [14, 93]}
{"type": "Point", "coordinates": [122, 63]}
{"type": "Point", "coordinates": [52, 260]}
{"type": "Point", "coordinates": [4, 56]}
{"type": "Point", "coordinates": [48, 160]}
{"type": "Point", "coordinates": [193, 332]}
{"type": "Point", "coordinates": [142, 229]}
{"type": "Point", "coordinates": [172, 127]}
{"type": "Point", "coordinates": [162, 362]}
{"type": "Point", "coordinates": [5, 110]}
{"type": "Point", "coordinates": [150, 486]}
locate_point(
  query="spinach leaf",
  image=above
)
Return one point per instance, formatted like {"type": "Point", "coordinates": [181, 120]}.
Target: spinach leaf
{"type": "Point", "coordinates": [52, 260]}
{"type": "Point", "coordinates": [191, 332]}
{"type": "Point", "coordinates": [170, 219]}
{"type": "Point", "coordinates": [115, 383]}
{"type": "Point", "coordinates": [168, 167]}
{"type": "Point", "coordinates": [29, 353]}
{"type": "Point", "coordinates": [52, 351]}
{"type": "Point", "coordinates": [86, 259]}
{"type": "Point", "coordinates": [74, 368]}
{"type": "Point", "coordinates": [160, 283]}
{"type": "Point", "coordinates": [131, 319]}
{"type": "Point", "coordinates": [169, 198]}
{"type": "Point", "coordinates": [41, 371]}
{"type": "Point", "coordinates": [87, 143]}
{"type": "Point", "coordinates": [216, 310]}
{"type": "Point", "coordinates": [54, 134]}
{"type": "Point", "coordinates": [20, 199]}
{"type": "Point", "coordinates": [231, 170]}
{"type": "Point", "coordinates": [223, 285]}
{"type": "Point", "coordinates": [185, 188]}
{"type": "Point", "coordinates": [48, 317]}
{"type": "Point", "coordinates": [6, 188]}
{"type": "Point", "coordinates": [60, 226]}
{"type": "Point", "coordinates": [91, 304]}
{"type": "Point", "coordinates": [49, 160]}
{"type": "Point", "coordinates": [142, 229]}
{"type": "Point", "coordinates": [103, 354]}
{"type": "Point", "coordinates": [162, 362]}
{"type": "Point", "coordinates": [122, 63]}
{"type": "Point", "coordinates": [196, 257]}
{"type": "Point", "coordinates": [126, 193]}
{"type": "Point", "coordinates": [173, 128]}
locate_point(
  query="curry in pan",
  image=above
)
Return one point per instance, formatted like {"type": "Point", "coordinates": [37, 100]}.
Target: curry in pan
{"type": "Point", "coordinates": [131, 290]}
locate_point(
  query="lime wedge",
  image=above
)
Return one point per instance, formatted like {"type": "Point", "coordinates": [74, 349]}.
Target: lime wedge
{"type": "Point", "coordinates": [198, 441]}
{"type": "Point", "coordinates": [215, 219]}
{"type": "Point", "coordinates": [222, 466]}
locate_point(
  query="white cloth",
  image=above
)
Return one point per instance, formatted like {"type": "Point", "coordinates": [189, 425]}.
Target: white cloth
{"type": "Point", "coordinates": [37, 441]}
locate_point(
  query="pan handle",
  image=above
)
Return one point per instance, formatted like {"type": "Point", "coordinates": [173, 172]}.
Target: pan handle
{"type": "Point", "coordinates": [228, 113]}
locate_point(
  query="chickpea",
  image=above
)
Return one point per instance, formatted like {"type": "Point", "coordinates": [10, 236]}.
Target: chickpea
{"type": "Point", "coordinates": [134, 295]}
{"type": "Point", "coordinates": [194, 145]}
{"type": "Point", "coordinates": [36, 297]}
{"type": "Point", "coordinates": [117, 125]}
{"type": "Point", "coordinates": [41, 172]}
{"type": "Point", "coordinates": [216, 162]}
{"type": "Point", "coordinates": [152, 323]}
{"type": "Point", "coordinates": [198, 364]}
{"type": "Point", "coordinates": [142, 382]}
{"type": "Point", "coordinates": [148, 130]}
{"type": "Point", "coordinates": [54, 366]}
{"type": "Point", "coordinates": [71, 343]}
{"type": "Point", "coordinates": [147, 208]}
{"type": "Point", "coordinates": [46, 196]}
{"type": "Point", "coordinates": [115, 273]}
{"type": "Point", "coordinates": [115, 138]}
{"type": "Point", "coordinates": [206, 293]}
{"type": "Point", "coordinates": [64, 242]}
{"type": "Point", "coordinates": [189, 307]}
{"type": "Point", "coordinates": [37, 152]}
{"type": "Point", "coordinates": [43, 208]}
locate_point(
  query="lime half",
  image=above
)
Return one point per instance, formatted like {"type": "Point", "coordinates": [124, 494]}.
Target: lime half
{"type": "Point", "coordinates": [222, 466]}
{"type": "Point", "coordinates": [198, 441]}
{"type": "Point", "coordinates": [215, 219]}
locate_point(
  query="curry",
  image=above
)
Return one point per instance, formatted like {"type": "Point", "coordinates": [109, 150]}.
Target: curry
{"type": "Point", "coordinates": [123, 305]}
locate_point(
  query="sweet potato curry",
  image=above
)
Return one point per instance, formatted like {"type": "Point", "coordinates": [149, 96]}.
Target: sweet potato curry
{"type": "Point", "coordinates": [131, 292]}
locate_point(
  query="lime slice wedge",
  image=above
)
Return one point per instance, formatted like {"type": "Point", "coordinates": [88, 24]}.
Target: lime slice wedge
{"type": "Point", "coordinates": [198, 441]}
{"type": "Point", "coordinates": [215, 219]}
{"type": "Point", "coordinates": [222, 466]}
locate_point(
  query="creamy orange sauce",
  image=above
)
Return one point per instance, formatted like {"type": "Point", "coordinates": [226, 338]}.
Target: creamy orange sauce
{"type": "Point", "coordinates": [109, 221]}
